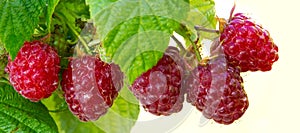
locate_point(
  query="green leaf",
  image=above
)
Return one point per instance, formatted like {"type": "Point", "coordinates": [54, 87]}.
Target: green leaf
{"type": "Point", "coordinates": [50, 10]}
{"type": "Point", "coordinates": [136, 33]}
{"type": "Point", "coordinates": [202, 13]}
{"type": "Point", "coordinates": [121, 117]}
{"type": "Point", "coordinates": [18, 19]}
{"type": "Point", "coordinates": [72, 9]}
{"type": "Point", "coordinates": [127, 95]}
{"type": "Point", "coordinates": [18, 114]}
{"type": "Point", "coordinates": [109, 13]}
{"type": "Point", "coordinates": [142, 49]}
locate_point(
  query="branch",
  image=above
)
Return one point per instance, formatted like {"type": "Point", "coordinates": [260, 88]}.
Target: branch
{"type": "Point", "coordinates": [200, 28]}
{"type": "Point", "coordinates": [179, 44]}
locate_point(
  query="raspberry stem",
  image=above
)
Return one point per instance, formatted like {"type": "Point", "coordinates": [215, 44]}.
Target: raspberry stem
{"type": "Point", "coordinates": [196, 48]}
{"type": "Point", "coordinates": [179, 44]}
{"type": "Point", "coordinates": [200, 28]}
{"type": "Point", "coordinates": [186, 53]}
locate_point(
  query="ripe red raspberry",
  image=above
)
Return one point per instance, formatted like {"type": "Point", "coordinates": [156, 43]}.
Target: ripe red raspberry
{"type": "Point", "coordinates": [90, 86]}
{"type": "Point", "coordinates": [159, 89]}
{"type": "Point", "coordinates": [216, 89]}
{"type": "Point", "coordinates": [34, 72]}
{"type": "Point", "coordinates": [248, 45]}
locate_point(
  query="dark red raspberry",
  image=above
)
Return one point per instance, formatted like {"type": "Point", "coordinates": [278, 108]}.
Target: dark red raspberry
{"type": "Point", "coordinates": [217, 90]}
{"type": "Point", "coordinates": [34, 72]}
{"type": "Point", "coordinates": [159, 89]}
{"type": "Point", "coordinates": [90, 86]}
{"type": "Point", "coordinates": [248, 45]}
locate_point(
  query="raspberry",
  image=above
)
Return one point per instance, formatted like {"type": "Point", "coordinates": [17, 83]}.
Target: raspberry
{"type": "Point", "coordinates": [34, 72]}
{"type": "Point", "coordinates": [90, 86]}
{"type": "Point", "coordinates": [159, 89]}
{"type": "Point", "coordinates": [248, 45]}
{"type": "Point", "coordinates": [217, 90]}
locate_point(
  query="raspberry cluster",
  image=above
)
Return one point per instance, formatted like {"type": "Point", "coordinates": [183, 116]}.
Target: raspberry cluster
{"type": "Point", "coordinates": [215, 87]}
{"type": "Point", "coordinates": [89, 84]}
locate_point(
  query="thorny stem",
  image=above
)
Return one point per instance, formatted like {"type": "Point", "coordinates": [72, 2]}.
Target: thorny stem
{"type": "Point", "coordinates": [200, 28]}
{"type": "Point", "coordinates": [179, 44]}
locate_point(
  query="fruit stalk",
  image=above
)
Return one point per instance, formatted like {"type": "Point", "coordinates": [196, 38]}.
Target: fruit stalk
{"type": "Point", "coordinates": [200, 28]}
{"type": "Point", "coordinates": [179, 44]}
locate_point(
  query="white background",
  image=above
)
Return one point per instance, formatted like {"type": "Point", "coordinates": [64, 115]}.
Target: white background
{"type": "Point", "coordinates": [273, 96]}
